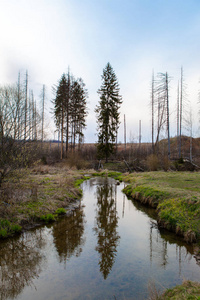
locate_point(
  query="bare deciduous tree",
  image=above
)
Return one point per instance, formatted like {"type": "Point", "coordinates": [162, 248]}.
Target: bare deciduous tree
{"type": "Point", "coordinates": [160, 91]}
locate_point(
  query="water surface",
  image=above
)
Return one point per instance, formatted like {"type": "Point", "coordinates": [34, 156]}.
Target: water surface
{"type": "Point", "coordinates": [109, 248]}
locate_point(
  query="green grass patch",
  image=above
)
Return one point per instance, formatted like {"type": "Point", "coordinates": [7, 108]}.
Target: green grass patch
{"type": "Point", "coordinates": [35, 194]}
{"type": "Point", "coordinates": [61, 211]}
{"type": "Point", "coordinates": [34, 204]}
{"type": "Point", "coordinates": [116, 175]}
{"type": "Point", "coordinates": [8, 229]}
{"type": "Point", "coordinates": [176, 196]}
{"type": "Point", "coordinates": [145, 194]}
{"type": "Point", "coordinates": [187, 291]}
{"type": "Point", "coordinates": [181, 214]}
{"type": "Point", "coordinates": [79, 181]}
{"type": "Point", "coordinates": [48, 218]}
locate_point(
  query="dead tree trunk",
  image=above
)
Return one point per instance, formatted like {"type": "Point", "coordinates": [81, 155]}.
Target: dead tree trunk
{"type": "Point", "coordinates": [167, 102]}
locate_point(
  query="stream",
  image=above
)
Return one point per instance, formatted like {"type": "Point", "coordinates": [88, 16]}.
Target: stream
{"type": "Point", "coordinates": [108, 248]}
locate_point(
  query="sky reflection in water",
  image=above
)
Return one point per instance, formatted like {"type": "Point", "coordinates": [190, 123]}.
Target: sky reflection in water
{"type": "Point", "coordinates": [109, 247]}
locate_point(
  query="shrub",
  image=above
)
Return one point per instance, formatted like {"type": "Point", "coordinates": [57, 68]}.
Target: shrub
{"type": "Point", "coordinates": [165, 163]}
{"type": "Point", "coordinates": [153, 162]}
{"type": "Point", "coordinates": [75, 160]}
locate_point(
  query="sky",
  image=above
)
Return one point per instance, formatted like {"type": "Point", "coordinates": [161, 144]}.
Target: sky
{"type": "Point", "coordinates": [137, 37]}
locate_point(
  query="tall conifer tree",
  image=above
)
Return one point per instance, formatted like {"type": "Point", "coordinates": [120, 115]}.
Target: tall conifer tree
{"type": "Point", "coordinates": [78, 110]}
{"type": "Point", "coordinates": [108, 112]}
{"type": "Point", "coordinates": [60, 107]}
{"type": "Point", "coordinates": [70, 109]}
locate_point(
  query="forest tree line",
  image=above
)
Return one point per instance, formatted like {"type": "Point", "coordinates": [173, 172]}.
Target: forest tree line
{"type": "Point", "coordinates": [22, 122]}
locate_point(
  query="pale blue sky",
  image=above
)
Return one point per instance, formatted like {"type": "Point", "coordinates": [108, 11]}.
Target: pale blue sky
{"type": "Point", "coordinates": [135, 36]}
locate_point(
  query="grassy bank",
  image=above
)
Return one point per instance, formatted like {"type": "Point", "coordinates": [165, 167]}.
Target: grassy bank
{"type": "Point", "coordinates": [176, 195]}
{"type": "Point", "coordinates": [38, 195]}
{"type": "Point", "coordinates": [33, 196]}
{"type": "Point", "coordinates": [187, 291]}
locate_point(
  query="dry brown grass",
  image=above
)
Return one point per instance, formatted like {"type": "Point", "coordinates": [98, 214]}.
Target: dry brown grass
{"type": "Point", "coordinates": [154, 293]}
{"type": "Point", "coordinates": [31, 193]}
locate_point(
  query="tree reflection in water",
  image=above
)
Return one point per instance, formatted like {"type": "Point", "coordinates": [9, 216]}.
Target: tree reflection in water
{"type": "Point", "coordinates": [106, 226]}
{"type": "Point", "coordinates": [20, 262]}
{"type": "Point", "coordinates": [68, 235]}
{"type": "Point", "coordinates": [161, 239]}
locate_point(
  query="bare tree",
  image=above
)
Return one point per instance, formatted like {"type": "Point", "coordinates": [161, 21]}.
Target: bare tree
{"type": "Point", "coordinates": [184, 112]}
{"type": "Point", "coordinates": [167, 110]}
{"type": "Point", "coordinates": [26, 104]}
{"type": "Point", "coordinates": [19, 98]}
{"type": "Point", "coordinates": [160, 92]}
{"type": "Point", "coordinates": [13, 153]}
{"type": "Point", "coordinates": [43, 102]}
{"type": "Point", "coordinates": [125, 133]}
{"type": "Point", "coordinates": [68, 99]}
{"type": "Point", "coordinates": [191, 134]}
{"type": "Point", "coordinates": [152, 110]}
{"type": "Point", "coordinates": [181, 112]}
{"type": "Point", "coordinates": [178, 116]}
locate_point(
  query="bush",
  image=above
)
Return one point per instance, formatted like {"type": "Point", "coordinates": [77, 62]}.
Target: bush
{"type": "Point", "coordinates": [153, 162]}
{"type": "Point", "coordinates": [165, 163]}
{"type": "Point", "coordinates": [75, 160]}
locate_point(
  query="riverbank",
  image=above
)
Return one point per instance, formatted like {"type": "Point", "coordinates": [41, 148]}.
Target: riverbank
{"type": "Point", "coordinates": [40, 194]}
{"type": "Point", "coordinates": [186, 291]}
{"type": "Point", "coordinates": [175, 195]}
{"type": "Point", "coordinates": [31, 197]}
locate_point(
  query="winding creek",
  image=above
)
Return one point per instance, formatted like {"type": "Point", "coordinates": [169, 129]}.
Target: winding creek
{"type": "Point", "coordinates": [109, 248]}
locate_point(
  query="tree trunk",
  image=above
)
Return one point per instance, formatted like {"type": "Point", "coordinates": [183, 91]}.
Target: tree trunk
{"type": "Point", "coordinates": [152, 112]}
{"type": "Point", "coordinates": [167, 99]}
{"type": "Point", "coordinates": [26, 103]}
{"type": "Point", "coordinates": [181, 112]}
